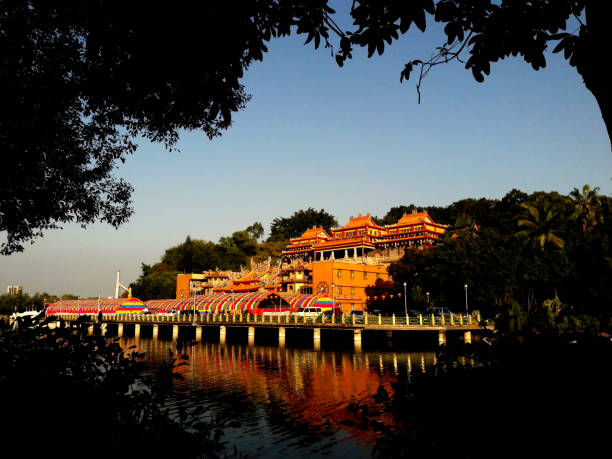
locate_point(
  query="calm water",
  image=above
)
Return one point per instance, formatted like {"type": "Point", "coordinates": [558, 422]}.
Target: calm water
{"type": "Point", "coordinates": [288, 401]}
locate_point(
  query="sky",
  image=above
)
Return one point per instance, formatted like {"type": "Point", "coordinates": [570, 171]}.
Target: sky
{"type": "Point", "coordinates": [348, 140]}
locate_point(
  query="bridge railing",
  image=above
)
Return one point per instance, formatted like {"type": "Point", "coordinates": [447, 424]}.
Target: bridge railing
{"type": "Point", "coordinates": [343, 320]}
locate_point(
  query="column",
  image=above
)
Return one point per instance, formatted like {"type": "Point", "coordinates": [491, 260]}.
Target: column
{"type": "Point", "coordinates": [90, 330]}
{"type": "Point", "coordinates": [251, 336]}
{"type": "Point", "coordinates": [357, 340]}
{"type": "Point", "coordinates": [137, 330]}
{"type": "Point", "coordinates": [467, 337]}
{"type": "Point", "coordinates": [175, 332]}
{"type": "Point", "coordinates": [222, 334]}
{"type": "Point", "coordinates": [281, 336]}
{"type": "Point", "coordinates": [155, 331]}
{"type": "Point", "coordinates": [441, 338]}
{"type": "Point", "coordinates": [198, 333]}
{"type": "Point", "coordinates": [103, 328]}
{"type": "Point", "coordinates": [120, 330]}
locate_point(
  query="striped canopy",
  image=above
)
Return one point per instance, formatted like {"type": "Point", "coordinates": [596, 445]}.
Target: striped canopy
{"type": "Point", "coordinates": [309, 301]}
{"type": "Point", "coordinates": [107, 306]}
{"type": "Point", "coordinates": [221, 302]}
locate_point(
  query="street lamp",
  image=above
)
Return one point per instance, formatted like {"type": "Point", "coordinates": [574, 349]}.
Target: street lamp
{"type": "Point", "coordinates": [466, 301]}
{"type": "Point", "coordinates": [194, 307]}
{"type": "Point", "coordinates": [427, 293]}
{"type": "Point", "coordinates": [333, 295]}
{"type": "Point", "coordinates": [405, 300]}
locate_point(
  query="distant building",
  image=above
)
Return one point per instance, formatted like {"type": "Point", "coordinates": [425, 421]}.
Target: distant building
{"type": "Point", "coordinates": [14, 290]}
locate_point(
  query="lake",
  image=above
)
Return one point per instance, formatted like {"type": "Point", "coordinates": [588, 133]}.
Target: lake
{"type": "Point", "coordinates": [288, 401]}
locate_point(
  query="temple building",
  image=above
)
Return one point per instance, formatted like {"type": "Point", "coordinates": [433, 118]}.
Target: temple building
{"type": "Point", "coordinates": [361, 238]}
{"type": "Point", "coordinates": [341, 265]}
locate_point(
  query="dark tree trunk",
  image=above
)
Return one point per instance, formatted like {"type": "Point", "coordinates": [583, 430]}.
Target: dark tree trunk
{"type": "Point", "coordinates": [592, 51]}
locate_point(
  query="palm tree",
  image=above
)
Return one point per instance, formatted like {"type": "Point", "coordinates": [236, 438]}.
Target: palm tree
{"type": "Point", "coordinates": [586, 208]}
{"type": "Point", "coordinates": [540, 223]}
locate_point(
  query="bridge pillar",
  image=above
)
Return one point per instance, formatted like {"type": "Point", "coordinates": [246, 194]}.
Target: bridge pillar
{"type": "Point", "coordinates": [155, 331]}
{"type": "Point", "coordinates": [198, 333]}
{"type": "Point", "coordinates": [393, 319]}
{"type": "Point", "coordinates": [222, 334]}
{"type": "Point", "coordinates": [251, 336]}
{"type": "Point", "coordinates": [120, 330]}
{"type": "Point", "coordinates": [441, 337]}
{"type": "Point", "coordinates": [316, 335]}
{"type": "Point", "coordinates": [467, 337]}
{"type": "Point", "coordinates": [137, 330]}
{"type": "Point", "coordinates": [175, 332]}
{"type": "Point", "coordinates": [281, 336]}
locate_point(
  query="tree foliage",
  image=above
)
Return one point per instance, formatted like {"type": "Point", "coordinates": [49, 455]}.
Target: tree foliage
{"type": "Point", "coordinates": [497, 264]}
{"type": "Point", "coordinates": [83, 79]}
{"type": "Point", "coordinates": [66, 381]}
{"type": "Point", "coordinates": [284, 228]}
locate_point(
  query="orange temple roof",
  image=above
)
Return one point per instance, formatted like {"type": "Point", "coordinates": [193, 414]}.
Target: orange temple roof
{"type": "Point", "coordinates": [312, 233]}
{"type": "Point", "coordinates": [360, 220]}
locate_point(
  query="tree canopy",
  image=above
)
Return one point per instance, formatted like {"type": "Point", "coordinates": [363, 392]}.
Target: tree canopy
{"type": "Point", "coordinates": [529, 248]}
{"type": "Point", "coordinates": [284, 228]}
{"type": "Point", "coordinates": [83, 79]}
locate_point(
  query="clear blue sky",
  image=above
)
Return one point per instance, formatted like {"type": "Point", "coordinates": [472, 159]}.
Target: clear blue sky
{"type": "Point", "coordinates": [350, 140]}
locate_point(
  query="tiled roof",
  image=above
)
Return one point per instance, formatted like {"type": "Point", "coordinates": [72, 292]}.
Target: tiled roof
{"type": "Point", "coordinates": [361, 220]}
{"type": "Point", "coordinates": [412, 219]}
{"type": "Point", "coordinates": [312, 233]}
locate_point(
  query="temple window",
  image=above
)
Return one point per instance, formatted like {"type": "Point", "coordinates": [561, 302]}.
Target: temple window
{"type": "Point", "coordinates": [339, 273]}
{"type": "Point", "coordinates": [362, 232]}
{"type": "Point", "coordinates": [338, 235]}
{"type": "Point", "coordinates": [339, 290]}
{"type": "Point", "coordinates": [352, 291]}
{"type": "Point", "coordinates": [349, 233]}
{"type": "Point", "coordinates": [365, 275]}
{"type": "Point", "coordinates": [352, 274]}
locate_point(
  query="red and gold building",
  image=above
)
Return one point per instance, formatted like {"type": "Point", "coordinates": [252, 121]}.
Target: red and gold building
{"type": "Point", "coordinates": [341, 265]}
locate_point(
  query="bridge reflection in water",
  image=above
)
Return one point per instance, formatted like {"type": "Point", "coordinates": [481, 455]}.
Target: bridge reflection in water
{"type": "Point", "coordinates": [287, 400]}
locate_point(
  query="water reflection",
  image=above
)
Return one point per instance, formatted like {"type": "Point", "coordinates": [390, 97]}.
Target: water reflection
{"type": "Point", "coordinates": [287, 400]}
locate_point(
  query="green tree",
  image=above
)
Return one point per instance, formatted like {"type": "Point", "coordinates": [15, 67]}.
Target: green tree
{"type": "Point", "coordinates": [587, 206]}
{"type": "Point", "coordinates": [284, 228]}
{"type": "Point", "coordinates": [83, 80]}
{"type": "Point", "coordinates": [81, 83]}
{"type": "Point", "coordinates": [194, 255]}
{"type": "Point", "coordinates": [541, 223]}
{"type": "Point", "coordinates": [155, 282]}
{"type": "Point", "coordinates": [256, 230]}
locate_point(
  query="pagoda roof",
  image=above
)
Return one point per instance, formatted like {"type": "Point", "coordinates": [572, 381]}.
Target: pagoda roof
{"type": "Point", "coordinates": [415, 218]}
{"type": "Point", "coordinates": [313, 233]}
{"type": "Point", "coordinates": [360, 220]}
{"type": "Point", "coordinates": [250, 277]}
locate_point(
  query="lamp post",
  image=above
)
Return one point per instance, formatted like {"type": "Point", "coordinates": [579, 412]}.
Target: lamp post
{"type": "Point", "coordinates": [427, 293]}
{"type": "Point", "coordinates": [405, 300]}
{"type": "Point", "coordinates": [466, 300]}
{"type": "Point", "coordinates": [194, 307]}
{"type": "Point", "coordinates": [333, 294]}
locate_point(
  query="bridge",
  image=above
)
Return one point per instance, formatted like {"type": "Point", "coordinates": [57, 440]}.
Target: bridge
{"type": "Point", "coordinates": [440, 324]}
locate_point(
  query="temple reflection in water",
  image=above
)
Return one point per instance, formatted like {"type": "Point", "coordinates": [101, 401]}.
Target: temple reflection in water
{"type": "Point", "coordinates": [297, 398]}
